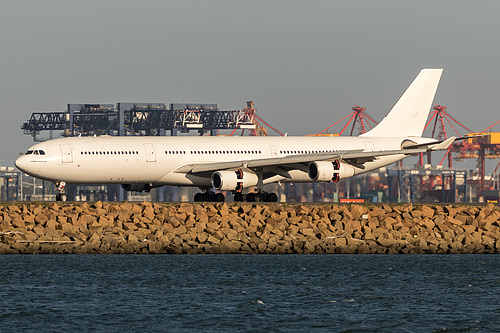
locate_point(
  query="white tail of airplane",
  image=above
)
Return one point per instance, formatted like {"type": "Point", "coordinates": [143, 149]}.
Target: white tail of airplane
{"type": "Point", "coordinates": [407, 117]}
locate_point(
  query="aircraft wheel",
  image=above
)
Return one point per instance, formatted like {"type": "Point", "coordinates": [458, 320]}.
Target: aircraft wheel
{"type": "Point", "coordinates": [197, 197]}
{"type": "Point", "coordinates": [58, 197]}
{"type": "Point", "coordinates": [205, 197]}
{"type": "Point", "coordinates": [271, 197]}
{"type": "Point", "coordinates": [62, 197]}
{"type": "Point", "coordinates": [251, 197]}
{"type": "Point", "coordinates": [219, 197]}
{"type": "Point", "coordinates": [238, 197]}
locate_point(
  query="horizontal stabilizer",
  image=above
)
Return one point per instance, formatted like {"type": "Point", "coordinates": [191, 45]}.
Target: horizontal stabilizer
{"type": "Point", "coordinates": [443, 145]}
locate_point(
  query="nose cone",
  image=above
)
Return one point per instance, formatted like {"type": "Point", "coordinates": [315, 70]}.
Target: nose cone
{"type": "Point", "coordinates": [21, 163]}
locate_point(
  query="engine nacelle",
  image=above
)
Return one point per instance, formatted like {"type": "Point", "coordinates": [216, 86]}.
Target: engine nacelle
{"type": "Point", "coordinates": [320, 171]}
{"type": "Point", "coordinates": [323, 171]}
{"type": "Point", "coordinates": [137, 187]}
{"type": "Point", "coordinates": [233, 180]}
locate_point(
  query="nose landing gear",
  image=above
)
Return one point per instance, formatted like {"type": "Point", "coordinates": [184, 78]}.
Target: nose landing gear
{"type": "Point", "coordinates": [61, 196]}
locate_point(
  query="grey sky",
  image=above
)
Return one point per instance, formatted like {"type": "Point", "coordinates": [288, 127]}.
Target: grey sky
{"type": "Point", "coordinates": [304, 63]}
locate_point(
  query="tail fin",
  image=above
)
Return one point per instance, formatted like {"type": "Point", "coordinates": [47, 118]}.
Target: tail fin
{"type": "Point", "coordinates": [408, 116]}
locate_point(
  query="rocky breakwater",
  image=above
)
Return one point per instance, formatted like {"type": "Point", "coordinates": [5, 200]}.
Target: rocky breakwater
{"type": "Point", "coordinates": [247, 228]}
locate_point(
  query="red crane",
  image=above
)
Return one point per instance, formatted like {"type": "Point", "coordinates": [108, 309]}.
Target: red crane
{"type": "Point", "coordinates": [359, 117]}
{"type": "Point", "coordinates": [440, 117]}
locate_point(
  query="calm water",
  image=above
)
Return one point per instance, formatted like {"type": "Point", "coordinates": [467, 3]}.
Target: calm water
{"type": "Point", "coordinates": [278, 293]}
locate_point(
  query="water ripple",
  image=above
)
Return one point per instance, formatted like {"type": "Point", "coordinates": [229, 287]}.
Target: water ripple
{"type": "Point", "coordinates": [278, 293]}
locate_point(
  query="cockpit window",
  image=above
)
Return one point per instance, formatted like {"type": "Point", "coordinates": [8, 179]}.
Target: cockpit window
{"type": "Point", "coordinates": [35, 152]}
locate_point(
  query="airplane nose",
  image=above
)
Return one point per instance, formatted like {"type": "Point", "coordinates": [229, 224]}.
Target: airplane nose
{"type": "Point", "coordinates": [21, 163]}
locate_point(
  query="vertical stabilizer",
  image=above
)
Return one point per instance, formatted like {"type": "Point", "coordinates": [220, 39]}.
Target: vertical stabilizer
{"type": "Point", "coordinates": [409, 114]}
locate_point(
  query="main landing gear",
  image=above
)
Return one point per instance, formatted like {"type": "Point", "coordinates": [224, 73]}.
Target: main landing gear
{"type": "Point", "coordinates": [259, 196]}
{"type": "Point", "coordinates": [209, 196]}
{"type": "Point", "coordinates": [61, 196]}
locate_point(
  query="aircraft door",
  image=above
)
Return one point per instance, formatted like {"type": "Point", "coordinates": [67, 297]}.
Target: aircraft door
{"type": "Point", "coordinates": [274, 151]}
{"type": "Point", "coordinates": [67, 156]}
{"type": "Point", "coordinates": [150, 152]}
{"type": "Point", "coordinates": [369, 146]}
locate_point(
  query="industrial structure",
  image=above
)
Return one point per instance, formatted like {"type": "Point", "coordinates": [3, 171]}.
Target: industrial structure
{"type": "Point", "coordinates": [138, 119]}
{"type": "Point", "coordinates": [481, 145]}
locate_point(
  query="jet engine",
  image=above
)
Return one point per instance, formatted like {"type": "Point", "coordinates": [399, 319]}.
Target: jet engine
{"type": "Point", "coordinates": [137, 187]}
{"type": "Point", "coordinates": [323, 171]}
{"type": "Point", "coordinates": [233, 180]}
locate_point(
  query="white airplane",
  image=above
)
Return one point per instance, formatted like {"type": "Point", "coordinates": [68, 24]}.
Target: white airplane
{"type": "Point", "coordinates": [211, 163]}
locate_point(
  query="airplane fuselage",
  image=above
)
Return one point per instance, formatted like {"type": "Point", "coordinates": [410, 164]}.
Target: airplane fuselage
{"type": "Point", "coordinates": [153, 160]}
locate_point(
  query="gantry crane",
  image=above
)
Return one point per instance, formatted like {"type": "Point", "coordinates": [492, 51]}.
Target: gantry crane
{"type": "Point", "coordinates": [480, 146]}
{"type": "Point", "coordinates": [257, 129]}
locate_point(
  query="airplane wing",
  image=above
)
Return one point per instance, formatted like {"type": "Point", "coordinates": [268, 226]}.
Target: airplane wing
{"type": "Point", "coordinates": [354, 157]}
{"type": "Point", "coordinates": [264, 162]}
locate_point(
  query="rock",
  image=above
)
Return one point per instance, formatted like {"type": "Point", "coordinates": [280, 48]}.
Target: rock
{"type": "Point", "coordinates": [356, 211]}
{"type": "Point", "coordinates": [18, 222]}
{"type": "Point", "coordinates": [309, 247]}
{"type": "Point", "coordinates": [40, 219]}
{"type": "Point", "coordinates": [51, 224]}
{"type": "Point", "coordinates": [185, 207]}
{"type": "Point", "coordinates": [95, 239]}
{"type": "Point", "coordinates": [469, 228]}
{"type": "Point", "coordinates": [308, 232]}
{"type": "Point", "coordinates": [126, 206]}
{"type": "Point", "coordinates": [129, 226]}
{"type": "Point", "coordinates": [427, 212]}
{"type": "Point", "coordinates": [149, 213]}
{"type": "Point", "coordinates": [340, 241]}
